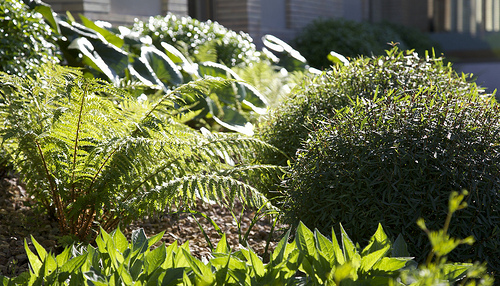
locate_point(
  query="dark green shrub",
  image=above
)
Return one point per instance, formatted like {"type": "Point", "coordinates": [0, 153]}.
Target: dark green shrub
{"type": "Point", "coordinates": [353, 39]}
{"type": "Point", "coordinates": [393, 155]}
{"type": "Point", "coordinates": [26, 40]}
{"type": "Point", "coordinates": [288, 125]}
{"type": "Point", "coordinates": [186, 33]}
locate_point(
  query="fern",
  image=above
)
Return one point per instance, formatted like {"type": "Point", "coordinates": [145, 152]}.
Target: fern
{"type": "Point", "coordinates": [93, 155]}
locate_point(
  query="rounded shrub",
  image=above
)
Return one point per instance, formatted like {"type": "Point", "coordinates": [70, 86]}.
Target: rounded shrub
{"type": "Point", "coordinates": [315, 99]}
{"type": "Point", "coordinates": [387, 140]}
{"type": "Point", "coordinates": [197, 37]}
{"type": "Point", "coordinates": [352, 39]}
{"type": "Point", "coordinates": [26, 40]}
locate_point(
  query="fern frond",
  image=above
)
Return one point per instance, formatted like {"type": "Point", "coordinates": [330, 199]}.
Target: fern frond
{"type": "Point", "coordinates": [92, 154]}
{"type": "Point", "coordinates": [191, 90]}
{"type": "Point", "coordinates": [215, 187]}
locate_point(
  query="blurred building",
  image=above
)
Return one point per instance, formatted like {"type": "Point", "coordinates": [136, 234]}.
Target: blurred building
{"type": "Point", "coordinates": [468, 30]}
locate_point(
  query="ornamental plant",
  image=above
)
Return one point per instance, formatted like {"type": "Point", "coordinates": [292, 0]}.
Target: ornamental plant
{"type": "Point", "coordinates": [26, 39]}
{"type": "Point", "coordinates": [395, 157]}
{"type": "Point", "coordinates": [353, 39]}
{"type": "Point", "coordinates": [196, 38]}
{"type": "Point", "coordinates": [311, 259]}
{"type": "Point", "coordinates": [94, 156]}
{"type": "Point", "coordinates": [316, 98]}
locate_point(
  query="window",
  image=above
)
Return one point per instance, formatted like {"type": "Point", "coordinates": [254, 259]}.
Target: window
{"type": "Point", "coordinates": [201, 9]}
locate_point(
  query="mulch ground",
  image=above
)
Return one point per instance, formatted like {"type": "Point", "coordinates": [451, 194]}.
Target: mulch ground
{"type": "Point", "coordinates": [20, 219]}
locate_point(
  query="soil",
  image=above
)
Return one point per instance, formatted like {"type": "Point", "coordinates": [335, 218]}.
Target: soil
{"type": "Point", "coordinates": [20, 219]}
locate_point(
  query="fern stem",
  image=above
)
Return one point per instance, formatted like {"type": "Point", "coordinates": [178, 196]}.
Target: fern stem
{"type": "Point", "coordinates": [86, 223]}
{"type": "Point", "coordinates": [59, 206]}
{"type": "Point", "coordinates": [94, 179]}
{"type": "Point", "coordinates": [73, 195]}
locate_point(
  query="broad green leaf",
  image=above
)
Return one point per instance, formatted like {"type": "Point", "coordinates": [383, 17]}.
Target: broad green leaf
{"type": "Point", "coordinates": [174, 54]}
{"type": "Point", "coordinates": [170, 259]}
{"type": "Point", "coordinates": [289, 58]}
{"type": "Point", "coordinates": [155, 258]}
{"type": "Point", "coordinates": [342, 272]}
{"type": "Point", "coordinates": [125, 276]}
{"type": "Point", "coordinates": [367, 261]}
{"type": "Point", "coordinates": [154, 239]}
{"type": "Point", "coordinates": [96, 277]}
{"type": "Point", "coordinates": [234, 263]}
{"type": "Point", "coordinates": [105, 236]}
{"type": "Point", "coordinates": [378, 241]}
{"type": "Point", "coordinates": [93, 59]}
{"type": "Point", "coordinates": [4, 280]}
{"type": "Point", "coordinates": [306, 267]}
{"type": "Point", "coordinates": [120, 240]}
{"type": "Point", "coordinates": [170, 276]}
{"type": "Point", "coordinates": [164, 68]}
{"type": "Point", "coordinates": [253, 98]}
{"type": "Point", "coordinates": [325, 247]}
{"type": "Point", "coordinates": [117, 258]}
{"type": "Point", "coordinates": [217, 70]}
{"type": "Point", "coordinates": [399, 249]}
{"type": "Point", "coordinates": [139, 241]}
{"type": "Point", "coordinates": [257, 264]}
{"type": "Point", "coordinates": [347, 245]}
{"type": "Point", "coordinates": [136, 269]}
{"type": "Point", "coordinates": [74, 264]}
{"type": "Point", "coordinates": [64, 256]}
{"type": "Point", "coordinates": [185, 280]}
{"type": "Point", "coordinates": [339, 254]}
{"type": "Point", "coordinates": [278, 254]}
{"type": "Point", "coordinates": [35, 263]}
{"type": "Point", "coordinates": [180, 258]}
{"type": "Point", "coordinates": [304, 239]}
{"type": "Point", "coordinates": [49, 264]}
{"type": "Point", "coordinates": [42, 253]}
{"type": "Point", "coordinates": [48, 15]}
{"type": "Point", "coordinates": [222, 246]}
{"type": "Point", "coordinates": [337, 58]}
{"type": "Point", "coordinates": [178, 58]}
{"type": "Point", "coordinates": [107, 35]}
{"type": "Point", "coordinates": [390, 264]}
{"type": "Point", "coordinates": [455, 271]}
{"type": "Point", "coordinates": [142, 71]}
{"type": "Point", "coordinates": [230, 118]}
{"type": "Point", "coordinates": [204, 275]}
{"type": "Point", "coordinates": [222, 269]}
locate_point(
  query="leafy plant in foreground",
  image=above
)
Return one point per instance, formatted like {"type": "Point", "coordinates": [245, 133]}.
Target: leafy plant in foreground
{"type": "Point", "coordinates": [436, 270]}
{"type": "Point", "coordinates": [93, 156]}
{"type": "Point", "coordinates": [311, 259]}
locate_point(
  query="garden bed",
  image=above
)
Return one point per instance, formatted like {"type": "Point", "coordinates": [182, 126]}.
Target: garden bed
{"type": "Point", "coordinates": [19, 219]}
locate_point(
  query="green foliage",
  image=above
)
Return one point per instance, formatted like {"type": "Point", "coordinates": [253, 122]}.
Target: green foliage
{"type": "Point", "coordinates": [311, 259]}
{"type": "Point", "coordinates": [196, 38]}
{"type": "Point", "coordinates": [26, 40]}
{"type": "Point", "coordinates": [327, 263]}
{"type": "Point", "coordinates": [317, 98]}
{"type": "Point", "coordinates": [129, 60]}
{"type": "Point", "coordinates": [95, 156]}
{"type": "Point", "coordinates": [352, 39]}
{"type": "Point", "coordinates": [407, 136]}
{"type": "Point", "coordinates": [436, 270]}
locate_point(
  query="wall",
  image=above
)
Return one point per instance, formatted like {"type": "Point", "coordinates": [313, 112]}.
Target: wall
{"type": "Point", "coordinates": [119, 12]}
